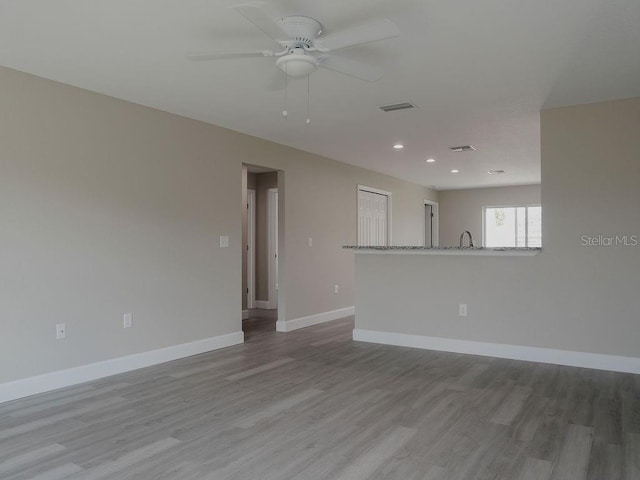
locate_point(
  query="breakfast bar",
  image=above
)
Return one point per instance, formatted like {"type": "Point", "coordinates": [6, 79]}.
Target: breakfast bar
{"type": "Point", "coordinates": [463, 299]}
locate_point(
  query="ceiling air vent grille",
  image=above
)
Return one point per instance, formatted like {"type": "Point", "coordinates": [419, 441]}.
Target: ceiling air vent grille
{"type": "Point", "coordinates": [462, 148]}
{"type": "Point", "coordinates": [397, 106]}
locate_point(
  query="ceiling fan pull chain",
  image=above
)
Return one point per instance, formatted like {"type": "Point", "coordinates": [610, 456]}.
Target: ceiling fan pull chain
{"type": "Point", "coordinates": [286, 84]}
{"type": "Point", "coordinates": [308, 99]}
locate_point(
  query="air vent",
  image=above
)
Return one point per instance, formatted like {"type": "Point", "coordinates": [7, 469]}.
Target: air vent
{"type": "Point", "coordinates": [397, 106]}
{"type": "Point", "coordinates": [496, 172]}
{"type": "Point", "coordinates": [462, 148]}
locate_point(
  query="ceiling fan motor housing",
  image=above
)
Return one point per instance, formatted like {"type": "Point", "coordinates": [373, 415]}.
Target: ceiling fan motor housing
{"type": "Point", "coordinates": [301, 30]}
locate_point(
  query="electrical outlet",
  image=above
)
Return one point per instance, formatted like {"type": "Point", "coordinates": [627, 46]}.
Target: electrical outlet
{"type": "Point", "coordinates": [61, 331]}
{"type": "Point", "coordinates": [462, 310]}
{"type": "Point", "coordinates": [224, 241]}
{"type": "Point", "coordinates": [127, 320]}
{"type": "Point", "coordinates": [335, 288]}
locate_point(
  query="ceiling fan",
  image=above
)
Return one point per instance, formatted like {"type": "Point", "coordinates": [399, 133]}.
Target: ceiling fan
{"type": "Point", "coordinates": [302, 49]}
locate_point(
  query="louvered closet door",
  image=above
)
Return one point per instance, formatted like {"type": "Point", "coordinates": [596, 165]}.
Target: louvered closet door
{"type": "Point", "coordinates": [372, 218]}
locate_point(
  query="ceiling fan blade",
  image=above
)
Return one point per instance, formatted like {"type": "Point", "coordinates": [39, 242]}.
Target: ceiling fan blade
{"type": "Point", "coordinates": [359, 35]}
{"type": "Point", "coordinates": [256, 15]}
{"type": "Point", "coordinates": [350, 67]}
{"type": "Point", "coordinates": [201, 57]}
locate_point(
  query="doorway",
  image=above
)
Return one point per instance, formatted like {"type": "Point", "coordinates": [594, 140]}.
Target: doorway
{"type": "Point", "coordinates": [251, 249]}
{"type": "Point", "coordinates": [260, 250]}
{"type": "Point", "coordinates": [431, 221]}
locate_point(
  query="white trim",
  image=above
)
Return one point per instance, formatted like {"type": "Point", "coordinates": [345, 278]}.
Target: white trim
{"type": "Point", "coordinates": [515, 352]}
{"type": "Point", "coordinates": [435, 223]}
{"type": "Point", "coordinates": [364, 188]}
{"type": "Point", "coordinates": [272, 246]}
{"type": "Point", "coordinates": [374, 190]}
{"type": "Point", "coordinates": [302, 322]}
{"type": "Point", "coordinates": [263, 304]}
{"type": "Point", "coordinates": [73, 376]}
{"type": "Point", "coordinates": [251, 248]}
{"type": "Point", "coordinates": [245, 314]}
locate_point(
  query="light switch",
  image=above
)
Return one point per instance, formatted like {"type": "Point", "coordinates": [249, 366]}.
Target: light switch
{"type": "Point", "coordinates": [224, 241]}
{"type": "Point", "coordinates": [310, 242]}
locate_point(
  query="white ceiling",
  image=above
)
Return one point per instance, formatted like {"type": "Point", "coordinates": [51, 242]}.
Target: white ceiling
{"type": "Point", "coordinates": [479, 71]}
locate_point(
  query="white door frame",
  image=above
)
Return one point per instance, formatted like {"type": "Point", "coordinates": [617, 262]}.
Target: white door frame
{"type": "Point", "coordinates": [272, 209]}
{"type": "Point", "coordinates": [251, 248]}
{"type": "Point", "coordinates": [363, 188]}
{"type": "Point", "coordinates": [435, 225]}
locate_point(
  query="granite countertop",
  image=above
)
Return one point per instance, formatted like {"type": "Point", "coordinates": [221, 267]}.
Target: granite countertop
{"type": "Point", "coordinates": [417, 247]}
{"type": "Point", "coordinates": [499, 251]}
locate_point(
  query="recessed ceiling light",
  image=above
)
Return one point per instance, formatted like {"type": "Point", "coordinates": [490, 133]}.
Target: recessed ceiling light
{"type": "Point", "coordinates": [455, 170]}
{"type": "Point", "coordinates": [431, 160]}
{"type": "Point", "coordinates": [398, 146]}
{"type": "Point", "coordinates": [496, 172]}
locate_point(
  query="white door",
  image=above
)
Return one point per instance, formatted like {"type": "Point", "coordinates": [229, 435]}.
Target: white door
{"type": "Point", "coordinates": [373, 216]}
{"type": "Point", "coordinates": [273, 247]}
{"type": "Point", "coordinates": [251, 248]}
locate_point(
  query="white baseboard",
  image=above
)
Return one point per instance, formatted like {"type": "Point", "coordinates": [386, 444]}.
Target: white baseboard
{"type": "Point", "coordinates": [263, 304]}
{"type": "Point", "coordinates": [245, 314]}
{"type": "Point", "coordinates": [302, 322]}
{"type": "Point", "coordinates": [515, 352]}
{"type": "Point", "coordinates": [73, 376]}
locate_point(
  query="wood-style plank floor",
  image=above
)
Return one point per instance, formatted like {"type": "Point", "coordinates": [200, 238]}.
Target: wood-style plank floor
{"type": "Point", "coordinates": [312, 404]}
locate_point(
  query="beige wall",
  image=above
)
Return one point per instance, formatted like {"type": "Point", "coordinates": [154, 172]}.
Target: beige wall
{"type": "Point", "coordinates": [461, 210]}
{"type": "Point", "coordinates": [108, 207]}
{"type": "Point", "coordinates": [570, 296]}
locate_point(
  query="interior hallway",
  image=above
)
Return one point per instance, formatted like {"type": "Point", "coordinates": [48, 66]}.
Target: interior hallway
{"type": "Point", "coordinates": [312, 404]}
{"type": "Point", "coordinates": [261, 322]}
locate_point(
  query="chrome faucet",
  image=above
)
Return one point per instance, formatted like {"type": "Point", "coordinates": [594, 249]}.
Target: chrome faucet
{"type": "Point", "coordinates": [470, 238]}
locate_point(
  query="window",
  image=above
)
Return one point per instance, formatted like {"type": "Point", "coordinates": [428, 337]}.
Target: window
{"type": "Point", "coordinates": [513, 226]}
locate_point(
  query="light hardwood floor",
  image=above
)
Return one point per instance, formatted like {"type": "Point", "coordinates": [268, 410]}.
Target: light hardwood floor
{"type": "Point", "coordinates": [312, 404]}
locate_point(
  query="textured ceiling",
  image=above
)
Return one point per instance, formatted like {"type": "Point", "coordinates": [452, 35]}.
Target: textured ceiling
{"type": "Point", "coordinates": [480, 72]}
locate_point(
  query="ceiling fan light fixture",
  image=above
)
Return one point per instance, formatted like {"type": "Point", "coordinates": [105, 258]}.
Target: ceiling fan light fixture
{"type": "Point", "coordinates": [297, 64]}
